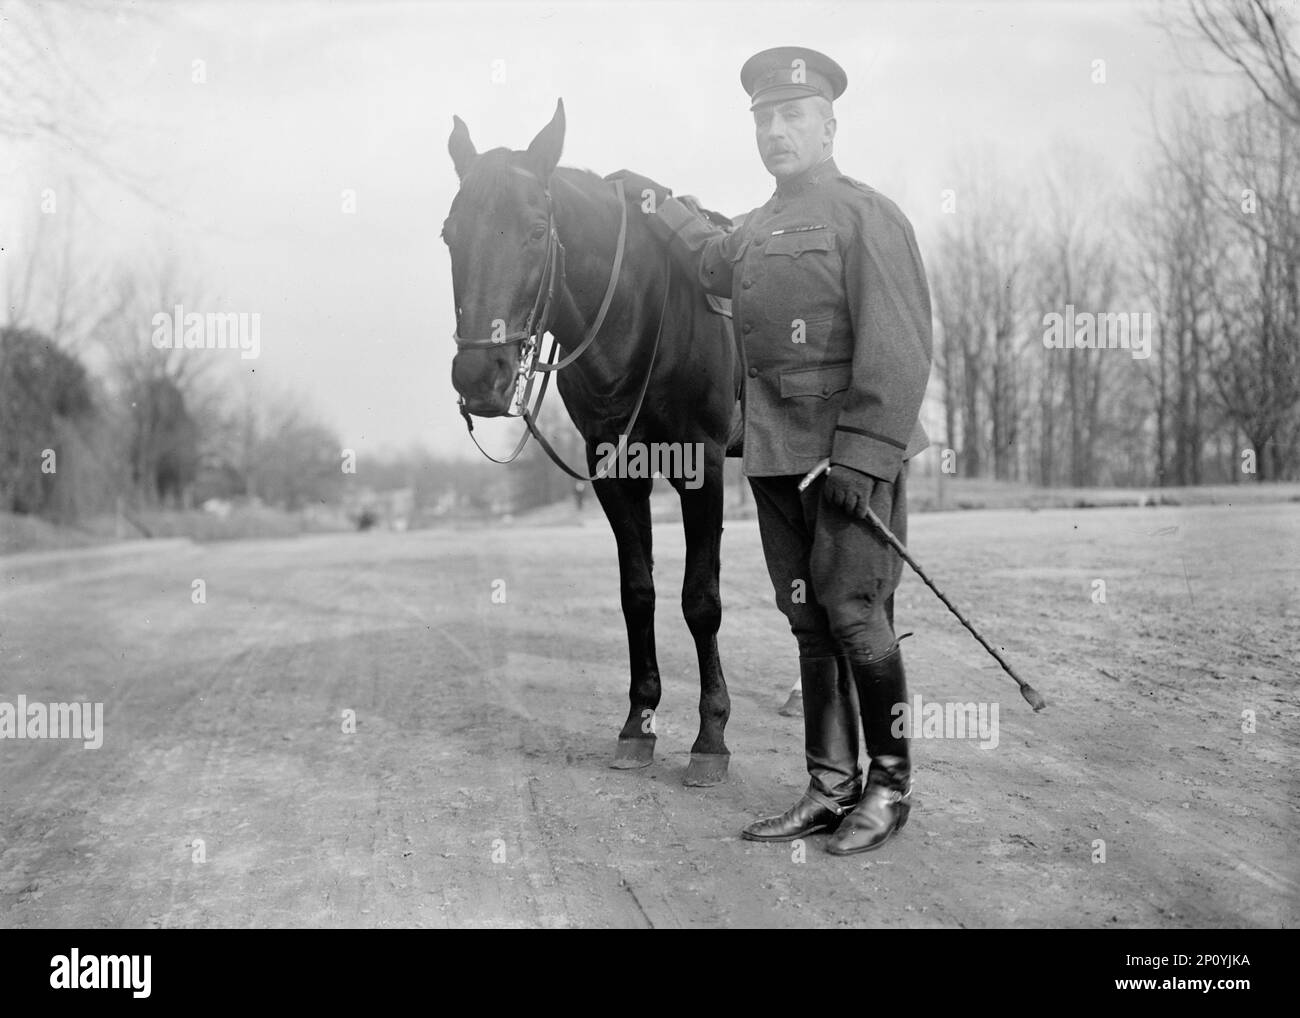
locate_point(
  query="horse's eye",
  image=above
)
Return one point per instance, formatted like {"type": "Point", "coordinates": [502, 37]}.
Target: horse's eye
{"type": "Point", "coordinates": [539, 231]}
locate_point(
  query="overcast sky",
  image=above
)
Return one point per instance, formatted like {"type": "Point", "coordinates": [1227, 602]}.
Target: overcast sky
{"type": "Point", "coordinates": [303, 101]}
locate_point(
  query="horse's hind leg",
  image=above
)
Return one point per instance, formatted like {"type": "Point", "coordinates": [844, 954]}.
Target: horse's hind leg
{"type": "Point", "coordinates": [627, 507]}
{"type": "Point", "coordinates": [702, 607]}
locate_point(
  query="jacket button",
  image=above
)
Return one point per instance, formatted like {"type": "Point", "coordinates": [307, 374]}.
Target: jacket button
{"type": "Point", "coordinates": [747, 284]}
{"type": "Point", "coordinates": [747, 328]}
{"type": "Point", "coordinates": [760, 242]}
{"type": "Point", "coordinates": [826, 390]}
{"type": "Point", "coordinates": [753, 372]}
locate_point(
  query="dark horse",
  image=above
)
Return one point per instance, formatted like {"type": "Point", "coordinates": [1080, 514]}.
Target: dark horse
{"type": "Point", "coordinates": [514, 219]}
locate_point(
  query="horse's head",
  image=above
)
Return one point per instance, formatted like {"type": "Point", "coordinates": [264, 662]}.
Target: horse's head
{"type": "Point", "coordinates": [504, 251]}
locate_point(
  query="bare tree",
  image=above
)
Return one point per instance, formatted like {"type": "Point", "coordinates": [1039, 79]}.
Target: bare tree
{"type": "Point", "coordinates": [978, 277]}
{"type": "Point", "coordinates": [1256, 363]}
{"type": "Point", "coordinates": [47, 103]}
{"type": "Point", "coordinates": [1258, 37]}
{"type": "Point", "coordinates": [161, 393]}
{"type": "Point", "coordinates": [1077, 264]}
{"type": "Point", "coordinates": [1177, 233]}
{"type": "Point", "coordinates": [1229, 243]}
{"type": "Point", "coordinates": [51, 284]}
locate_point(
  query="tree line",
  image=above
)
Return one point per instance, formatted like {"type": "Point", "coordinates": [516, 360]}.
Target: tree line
{"type": "Point", "coordinates": [1202, 255]}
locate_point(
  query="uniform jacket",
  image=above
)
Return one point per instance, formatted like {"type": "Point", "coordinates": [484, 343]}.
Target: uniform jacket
{"type": "Point", "coordinates": [832, 308]}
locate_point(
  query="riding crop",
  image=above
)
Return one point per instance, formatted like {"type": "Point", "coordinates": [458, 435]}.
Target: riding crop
{"type": "Point", "coordinates": [1031, 695]}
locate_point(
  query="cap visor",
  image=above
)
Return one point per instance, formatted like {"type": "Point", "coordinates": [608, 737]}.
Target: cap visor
{"type": "Point", "coordinates": [781, 93]}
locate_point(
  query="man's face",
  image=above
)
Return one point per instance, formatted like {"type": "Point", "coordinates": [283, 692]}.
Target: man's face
{"type": "Point", "coordinates": [793, 136]}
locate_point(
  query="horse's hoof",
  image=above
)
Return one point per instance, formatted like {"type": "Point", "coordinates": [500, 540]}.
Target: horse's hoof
{"type": "Point", "coordinates": [793, 706]}
{"type": "Point", "coordinates": [706, 769]}
{"type": "Point", "coordinates": [633, 753]}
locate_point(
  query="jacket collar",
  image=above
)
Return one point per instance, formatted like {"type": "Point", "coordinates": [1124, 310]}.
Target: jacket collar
{"type": "Point", "coordinates": [810, 177]}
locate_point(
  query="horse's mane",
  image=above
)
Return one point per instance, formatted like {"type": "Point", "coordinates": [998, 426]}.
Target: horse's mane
{"type": "Point", "coordinates": [690, 201]}
{"type": "Point", "coordinates": [493, 169]}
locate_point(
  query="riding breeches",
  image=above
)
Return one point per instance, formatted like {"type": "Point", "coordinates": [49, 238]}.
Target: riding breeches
{"type": "Point", "coordinates": [833, 575]}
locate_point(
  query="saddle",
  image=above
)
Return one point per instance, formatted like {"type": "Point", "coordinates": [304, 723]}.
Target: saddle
{"type": "Point", "coordinates": [721, 306]}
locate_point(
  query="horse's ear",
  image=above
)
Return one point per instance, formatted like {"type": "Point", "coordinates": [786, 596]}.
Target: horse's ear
{"type": "Point", "coordinates": [544, 152]}
{"type": "Point", "coordinates": [461, 148]}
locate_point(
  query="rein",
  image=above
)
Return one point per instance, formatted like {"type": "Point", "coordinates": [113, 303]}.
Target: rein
{"type": "Point", "coordinates": [540, 318]}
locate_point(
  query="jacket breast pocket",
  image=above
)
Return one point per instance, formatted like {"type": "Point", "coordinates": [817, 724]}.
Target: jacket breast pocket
{"type": "Point", "coordinates": [810, 405]}
{"type": "Point", "coordinates": [801, 275]}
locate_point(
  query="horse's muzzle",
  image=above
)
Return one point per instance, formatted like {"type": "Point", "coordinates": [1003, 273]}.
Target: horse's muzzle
{"type": "Point", "coordinates": [487, 391]}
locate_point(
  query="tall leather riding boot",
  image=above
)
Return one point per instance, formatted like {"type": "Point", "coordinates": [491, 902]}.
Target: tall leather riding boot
{"type": "Point", "coordinates": [884, 806]}
{"type": "Point", "coordinates": [830, 726]}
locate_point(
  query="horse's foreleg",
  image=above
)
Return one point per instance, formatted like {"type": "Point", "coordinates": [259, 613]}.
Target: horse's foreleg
{"type": "Point", "coordinates": [702, 607]}
{"type": "Point", "coordinates": [627, 507]}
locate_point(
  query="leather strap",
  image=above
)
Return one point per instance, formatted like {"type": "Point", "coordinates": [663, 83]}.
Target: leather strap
{"type": "Point", "coordinates": [539, 320]}
{"type": "Point", "coordinates": [523, 439]}
{"type": "Point", "coordinates": [594, 329]}
{"type": "Point", "coordinates": [529, 416]}
{"type": "Point", "coordinates": [830, 804]}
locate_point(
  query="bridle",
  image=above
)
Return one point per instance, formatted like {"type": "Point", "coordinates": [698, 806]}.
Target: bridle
{"type": "Point", "coordinates": [540, 319]}
{"type": "Point", "coordinates": [542, 314]}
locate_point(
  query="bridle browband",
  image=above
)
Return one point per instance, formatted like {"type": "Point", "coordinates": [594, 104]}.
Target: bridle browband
{"type": "Point", "coordinates": [540, 319]}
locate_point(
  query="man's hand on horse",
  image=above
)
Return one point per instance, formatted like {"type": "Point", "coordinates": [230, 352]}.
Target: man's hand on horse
{"type": "Point", "coordinates": [849, 490]}
{"type": "Point", "coordinates": [636, 186]}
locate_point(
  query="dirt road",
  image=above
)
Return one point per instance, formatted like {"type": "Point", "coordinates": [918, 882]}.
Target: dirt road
{"type": "Point", "coordinates": [475, 790]}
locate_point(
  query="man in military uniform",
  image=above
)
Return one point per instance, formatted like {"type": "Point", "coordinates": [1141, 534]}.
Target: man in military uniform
{"type": "Point", "coordinates": [831, 301]}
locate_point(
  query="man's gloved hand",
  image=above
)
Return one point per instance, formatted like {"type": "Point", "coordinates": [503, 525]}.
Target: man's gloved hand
{"type": "Point", "coordinates": [849, 490]}
{"type": "Point", "coordinates": [635, 187]}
